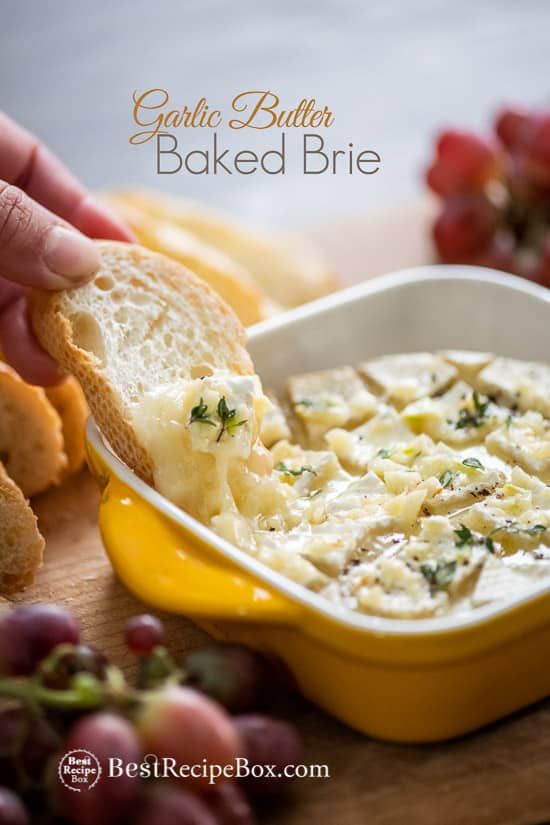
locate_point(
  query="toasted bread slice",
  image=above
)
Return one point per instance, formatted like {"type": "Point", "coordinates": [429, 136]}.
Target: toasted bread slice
{"type": "Point", "coordinates": [288, 268]}
{"type": "Point", "coordinates": [227, 277]}
{"type": "Point", "coordinates": [143, 321]}
{"type": "Point", "coordinates": [21, 544]}
{"type": "Point", "coordinates": [70, 404]}
{"type": "Point", "coordinates": [31, 440]}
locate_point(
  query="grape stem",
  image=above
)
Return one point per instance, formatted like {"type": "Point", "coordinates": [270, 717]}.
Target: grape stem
{"type": "Point", "coordinates": [35, 693]}
{"type": "Point", "coordinates": [85, 691]}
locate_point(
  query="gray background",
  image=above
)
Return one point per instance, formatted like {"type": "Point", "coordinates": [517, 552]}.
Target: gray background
{"type": "Point", "coordinates": [392, 71]}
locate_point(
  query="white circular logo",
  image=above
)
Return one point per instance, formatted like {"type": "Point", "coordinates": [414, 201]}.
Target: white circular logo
{"type": "Point", "coordinates": [79, 770]}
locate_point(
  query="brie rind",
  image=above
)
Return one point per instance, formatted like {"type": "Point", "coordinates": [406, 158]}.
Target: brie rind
{"type": "Point", "coordinates": [524, 385]}
{"type": "Point", "coordinates": [407, 377]}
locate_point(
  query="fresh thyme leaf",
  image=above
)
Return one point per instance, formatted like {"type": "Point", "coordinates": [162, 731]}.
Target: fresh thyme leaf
{"type": "Point", "coordinates": [446, 478]}
{"type": "Point", "coordinates": [509, 420]}
{"type": "Point", "coordinates": [535, 530]}
{"type": "Point", "coordinates": [473, 462]}
{"type": "Point", "coordinates": [464, 536]}
{"type": "Point", "coordinates": [232, 425]}
{"type": "Point", "coordinates": [281, 467]}
{"type": "Point", "coordinates": [439, 575]}
{"type": "Point", "coordinates": [319, 403]}
{"type": "Point", "coordinates": [516, 528]}
{"type": "Point", "coordinates": [200, 414]}
{"type": "Point", "coordinates": [224, 412]}
{"type": "Point", "coordinates": [481, 407]}
{"type": "Point", "coordinates": [467, 418]}
{"type": "Point", "coordinates": [490, 544]}
{"type": "Point", "coordinates": [383, 453]}
{"type": "Point", "coordinates": [227, 416]}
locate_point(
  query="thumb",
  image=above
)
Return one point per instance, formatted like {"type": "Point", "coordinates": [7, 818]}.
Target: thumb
{"type": "Point", "coordinates": [37, 248]}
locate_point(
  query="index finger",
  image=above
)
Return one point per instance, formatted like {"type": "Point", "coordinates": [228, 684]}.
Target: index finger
{"type": "Point", "coordinates": [26, 163]}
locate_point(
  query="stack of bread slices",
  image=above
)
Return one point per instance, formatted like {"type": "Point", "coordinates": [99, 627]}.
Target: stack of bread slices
{"type": "Point", "coordinates": [257, 272]}
{"type": "Point", "coordinates": [41, 445]}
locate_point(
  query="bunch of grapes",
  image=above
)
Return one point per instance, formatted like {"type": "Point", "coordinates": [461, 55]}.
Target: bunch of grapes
{"type": "Point", "coordinates": [495, 195]}
{"type": "Point", "coordinates": [59, 695]}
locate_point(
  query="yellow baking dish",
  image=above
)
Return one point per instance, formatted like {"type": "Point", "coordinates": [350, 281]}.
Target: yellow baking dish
{"type": "Point", "coordinates": [402, 680]}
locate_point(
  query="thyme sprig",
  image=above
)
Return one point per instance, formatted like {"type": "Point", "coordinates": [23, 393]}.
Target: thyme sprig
{"type": "Point", "coordinates": [227, 418]}
{"type": "Point", "coordinates": [475, 418]}
{"type": "Point", "coordinates": [200, 413]}
{"type": "Point", "coordinates": [281, 467]}
{"type": "Point", "coordinates": [227, 421]}
{"type": "Point", "coordinates": [439, 575]}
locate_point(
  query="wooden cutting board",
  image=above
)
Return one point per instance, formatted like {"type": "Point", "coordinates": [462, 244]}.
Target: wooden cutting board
{"type": "Point", "coordinates": [499, 776]}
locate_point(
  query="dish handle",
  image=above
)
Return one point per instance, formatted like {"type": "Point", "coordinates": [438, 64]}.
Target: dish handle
{"type": "Point", "coordinates": [170, 568]}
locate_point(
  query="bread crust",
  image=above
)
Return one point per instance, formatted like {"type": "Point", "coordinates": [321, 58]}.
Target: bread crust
{"type": "Point", "coordinates": [288, 269]}
{"type": "Point", "coordinates": [132, 268]}
{"type": "Point", "coordinates": [227, 277]}
{"type": "Point", "coordinates": [31, 440]}
{"type": "Point", "coordinates": [21, 545]}
{"type": "Point", "coordinates": [69, 402]}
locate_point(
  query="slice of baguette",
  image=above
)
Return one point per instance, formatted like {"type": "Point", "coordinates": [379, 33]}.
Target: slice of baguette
{"type": "Point", "coordinates": [31, 440]}
{"type": "Point", "coordinates": [142, 322]}
{"type": "Point", "coordinates": [288, 268]}
{"type": "Point", "coordinates": [69, 402]}
{"type": "Point", "coordinates": [227, 277]}
{"type": "Point", "coordinates": [21, 545]}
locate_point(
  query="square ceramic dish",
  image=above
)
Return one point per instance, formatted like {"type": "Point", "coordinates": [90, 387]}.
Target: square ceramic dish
{"type": "Point", "coordinates": [404, 680]}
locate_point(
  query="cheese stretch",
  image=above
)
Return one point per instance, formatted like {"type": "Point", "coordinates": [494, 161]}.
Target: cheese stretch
{"type": "Point", "coordinates": [415, 485]}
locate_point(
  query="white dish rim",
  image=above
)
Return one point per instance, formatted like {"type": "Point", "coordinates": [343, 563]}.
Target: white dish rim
{"type": "Point", "coordinates": [277, 581]}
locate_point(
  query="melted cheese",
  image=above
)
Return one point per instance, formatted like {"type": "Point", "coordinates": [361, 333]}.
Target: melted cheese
{"type": "Point", "coordinates": [460, 416]}
{"type": "Point", "coordinates": [521, 384]}
{"type": "Point", "coordinates": [437, 507]}
{"type": "Point", "coordinates": [196, 457]}
{"type": "Point", "coordinates": [274, 426]}
{"type": "Point", "coordinates": [524, 440]}
{"type": "Point", "coordinates": [327, 399]}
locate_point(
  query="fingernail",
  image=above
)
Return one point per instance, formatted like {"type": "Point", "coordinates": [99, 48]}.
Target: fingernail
{"type": "Point", "coordinates": [71, 256]}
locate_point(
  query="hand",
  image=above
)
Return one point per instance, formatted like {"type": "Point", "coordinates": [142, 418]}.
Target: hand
{"type": "Point", "coordinates": [45, 216]}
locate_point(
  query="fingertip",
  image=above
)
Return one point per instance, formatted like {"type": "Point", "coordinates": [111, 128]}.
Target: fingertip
{"type": "Point", "coordinates": [97, 221]}
{"type": "Point", "coordinates": [71, 257]}
{"type": "Point", "coordinates": [21, 348]}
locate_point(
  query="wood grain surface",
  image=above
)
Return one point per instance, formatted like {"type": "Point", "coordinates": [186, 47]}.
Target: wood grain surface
{"type": "Point", "coordinates": [499, 776]}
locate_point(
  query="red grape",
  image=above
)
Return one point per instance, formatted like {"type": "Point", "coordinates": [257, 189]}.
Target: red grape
{"type": "Point", "coordinates": [499, 254]}
{"type": "Point", "coordinates": [170, 805]}
{"type": "Point", "coordinates": [41, 742]}
{"type": "Point", "coordinates": [12, 811]}
{"type": "Point", "coordinates": [440, 179]}
{"type": "Point", "coordinates": [181, 723]}
{"type": "Point", "coordinates": [143, 633]}
{"type": "Point", "coordinates": [509, 126]}
{"type": "Point", "coordinates": [464, 161]}
{"type": "Point", "coordinates": [106, 735]}
{"type": "Point", "coordinates": [269, 741]}
{"type": "Point", "coordinates": [229, 804]}
{"type": "Point", "coordinates": [14, 723]}
{"type": "Point", "coordinates": [464, 227]}
{"type": "Point", "coordinates": [30, 632]}
{"type": "Point", "coordinates": [232, 674]}
{"type": "Point", "coordinates": [536, 149]}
